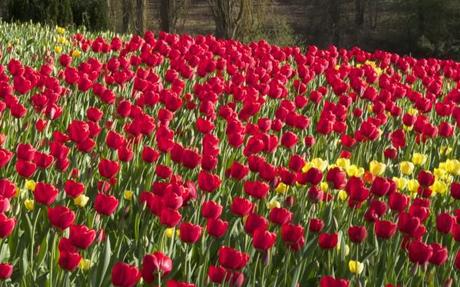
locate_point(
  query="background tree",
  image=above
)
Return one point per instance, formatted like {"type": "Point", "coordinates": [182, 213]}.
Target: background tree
{"type": "Point", "coordinates": [170, 13]}
{"type": "Point", "coordinates": [228, 15]}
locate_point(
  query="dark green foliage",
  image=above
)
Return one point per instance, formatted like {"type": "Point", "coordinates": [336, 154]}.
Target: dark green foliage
{"type": "Point", "coordinates": [90, 13]}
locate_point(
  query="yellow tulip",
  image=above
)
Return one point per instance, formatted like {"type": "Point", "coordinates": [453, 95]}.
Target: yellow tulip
{"type": "Point", "coordinates": [352, 170]}
{"type": "Point", "coordinates": [81, 200]}
{"type": "Point", "coordinates": [281, 188]}
{"type": "Point", "coordinates": [128, 194]}
{"type": "Point", "coordinates": [58, 49]}
{"type": "Point", "coordinates": [319, 163]}
{"type": "Point", "coordinates": [355, 267]}
{"type": "Point", "coordinates": [419, 159]}
{"type": "Point", "coordinates": [273, 204]}
{"type": "Point", "coordinates": [413, 185]}
{"type": "Point", "coordinates": [85, 264]}
{"type": "Point", "coordinates": [377, 168]}
{"type": "Point", "coordinates": [343, 162]}
{"type": "Point", "coordinates": [76, 54]}
{"type": "Point", "coordinates": [401, 182]}
{"type": "Point", "coordinates": [343, 195]}
{"type": "Point", "coordinates": [406, 167]}
{"type": "Point", "coordinates": [439, 187]}
{"type": "Point", "coordinates": [29, 204]}
{"type": "Point", "coordinates": [30, 185]}
{"type": "Point", "coordinates": [324, 186]}
{"type": "Point", "coordinates": [169, 232]}
{"type": "Point", "coordinates": [60, 30]}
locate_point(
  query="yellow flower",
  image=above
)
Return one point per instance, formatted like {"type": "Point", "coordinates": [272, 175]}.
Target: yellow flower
{"type": "Point", "coordinates": [18, 192]}
{"type": "Point", "coordinates": [413, 185]}
{"type": "Point", "coordinates": [319, 163]}
{"type": "Point", "coordinates": [355, 267]}
{"type": "Point", "coordinates": [377, 168]}
{"type": "Point", "coordinates": [85, 264]}
{"type": "Point", "coordinates": [128, 194]}
{"type": "Point", "coordinates": [30, 185]}
{"type": "Point", "coordinates": [453, 166]}
{"type": "Point", "coordinates": [306, 167]}
{"type": "Point", "coordinates": [343, 195]}
{"type": "Point", "coordinates": [369, 108]}
{"type": "Point", "coordinates": [29, 204]}
{"type": "Point", "coordinates": [439, 172]}
{"type": "Point", "coordinates": [439, 187]}
{"type": "Point", "coordinates": [273, 204]}
{"type": "Point", "coordinates": [61, 40]}
{"type": "Point", "coordinates": [445, 150]}
{"type": "Point", "coordinates": [76, 54]}
{"type": "Point", "coordinates": [58, 49]}
{"type": "Point", "coordinates": [352, 170]}
{"type": "Point", "coordinates": [419, 159]}
{"type": "Point", "coordinates": [81, 200]}
{"type": "Point", "coordinates": [169, 232]}
{"type": "Point", "coordinates": [324, 186]}
{"type": "Point", "coordinates": [60, 30]}
{"type": "Point", "coordinates": [401, 182]}
{"type": "Point", "coordinates": [343, 162]}
{"type": "Point", "coordinates": [281, 188]}
{"type": "Point", "coordinates": [406, 167]}
{"type": "Point", "coordinates": [412, 111]}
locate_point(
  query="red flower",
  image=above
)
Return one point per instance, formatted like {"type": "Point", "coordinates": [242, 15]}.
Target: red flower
{"type": "Point", "coordinates": [455, 190]}
{"type": "Point", "coordinates": [73, 188]}
{"type": "Point", "coordinates": [263, 239]}
{"type": "Point", "coordinates": [45, 193]}
{"type": "Point", "coordinates": [216, 227]}
{"type": "Point", "coordinates": [293, 236]}
{"type": "Point", "coordinates": [337, 177]}
{"type": "Point", "coordinates": [241, 206]}
{"type": "Point", "coordinates": [398, 138]}
{"type": "Point", "coordinates": [61, 216]}
{"type": "Point", "coordinates": [155, 263]}
{"type": "Point", "coordinates": [316, 225]}
{"type": "Point", "coordinates": [189, 232]}
{"type": "Point", "coordinates": [5, 157]}
{"type": "Point", "coordinates": [25, 152]}
{"type": "Point", "coordinates": [440, 254]}
{"type": "Point", "coordinates": [444, 222]}
{"type": "Point", "coordinates": [357, 234]}
{"type": "Point", "coordinates": [25, 168]}
{"type": "Point", "coordinates": [105, 204]}
{"type": "Point", "coordinates": [232, 259]}
{"type": "Point", "coordinates": [149, 154]}
{"type": "Point", "coordinates": [328, 240]}
{"type": "Point", "coordinates": [170, 217]}
{"type": "Point", "coordinates": [419, 252]}
{"type": "Point", "coordinates": [81, 236]}
{"type": "Point", "coordinates": [69, 260]}
{"type": "Point", "coordinates": [380, 186]}
{"type": "Point", "coordinates": [280, 215]}
{"type": "Point", "coordinates": [457, 260]}
{"type": "Point", "coordinates": [256, 189]}
{"type": "Point", "coordinates": [108, 168]}
{"type": "Point", "coordinates": [125, 275]}
{"type": "Point", "coordinates": [78, 131]}
{"type": "Point", "coordinates": [289, 139]}
{"type": "Point", "coordinates": [208, 182]}
{"type": "Point", "coordinates": [6, 269]}
{"type": "Point", "coordinates": [174, 283]}
{"type": "Point", "coordinates": [398, 201]}
{"type": "Point", "coordinates": [255, 221]}
{"type": "Point", "coordinates": [114, 140]}
{"type": "Point", "coordinates": [329, 281]}
{"type": "Point", "coordinates": [7, 188]}
{"type": "Point", "coordinates": [6, 225]}
{"type": "Point", "coordinates": [211, 209]}
{"type": "Point", "coordinates": [425, 178]}
{"type": "Point", "coordinates": [384, 229]}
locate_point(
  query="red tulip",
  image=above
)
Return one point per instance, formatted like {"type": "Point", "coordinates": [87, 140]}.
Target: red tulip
{"type": "Point", "coordinates": [232, 259]}
{"type": "Point", "coordinates": [357, 234]}
{"type": "Point", "coordinates": [45, 193]}
{"type": "Point", "coordinates": [241, 206]}
{"type": "Point", "coordinates": [155, 263]}
{"type": "Point", "coordinates": [293, 236]}
{"type": "Point", "coordinates": [61, 216]}
{"type": "Point", "coordinates": [263, 239]}
{"type": "Point", "coordinates": [125, 275]}
{"type": "Point", "coordinates": [419, 252]}
{"type": "Point", "coordinates": [328, 240]}
{"type": "Point", "coordinates": [189, 232]}
{"type": "Point", "coordinates": [208, 182]}
{"type": "Point", "coordinates": [256, 189]}
{"type": "Point", "coordinates": [69, 260]}
{"type": "Point", "coordinates": [329, 281]}
{"type": "Point", "coordinates": [211, 209]}
{"type": "Point", "coordinates": [73, 188]}
{"type": "Point", "coordinates": [440, 254]}
{"type": "Point", "coordinates": [384, 229]}
{"type": "Point", "coordinates": [6, 270]}
{"type": "Point", "coordinates": [25, 168]}
{"type": "Point", "coordinates": [108, 168]}
{"type": "Point", "coordinates": [316, 225]}
{"type": "Point", "coordinates": [216, 227]}
{"type": "Point", "coordinates": [105, 204]}
{"type": "Point", "coordinates": [81, 236]}
{"type": "Point", "coordinates": [6, 225]}
{"type": "Point", "coordinates": [255, 221]}
{"type": "Point", "coordinates": [444, 223]}
{"type": "Point", "coordinates": [280, 216]}
{"type": "Point", "coordinates": [7, 188]}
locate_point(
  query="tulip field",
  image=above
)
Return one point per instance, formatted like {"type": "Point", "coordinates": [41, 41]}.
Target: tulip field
{"type": "Point", "coordinates": [178, 160]}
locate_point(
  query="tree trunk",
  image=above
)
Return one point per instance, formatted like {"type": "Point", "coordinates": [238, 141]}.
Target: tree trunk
{"type": "Point", "coordinates": [140, 18]}
{"type": "Point", "coordinates": [127, 15]}
{"type": "Point", "coordinates": [165, 16]}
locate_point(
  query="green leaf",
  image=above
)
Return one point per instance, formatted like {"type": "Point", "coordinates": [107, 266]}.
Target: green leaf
{"type": "Point", "coordinates": [105, 265]}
